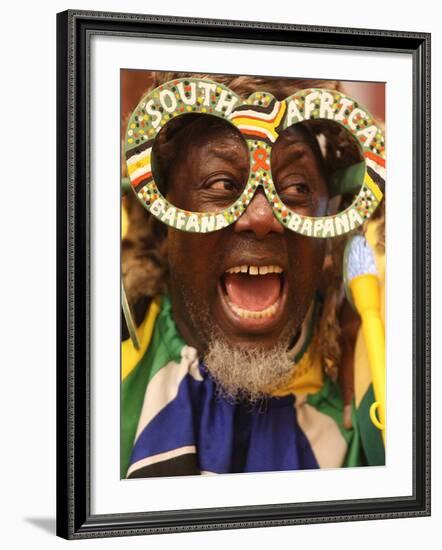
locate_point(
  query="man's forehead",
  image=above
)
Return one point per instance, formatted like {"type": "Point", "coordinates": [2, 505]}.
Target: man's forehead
{"type": "Point", "coordinates": [221, 138]}
{"type": "Point", "coordinates": [219, 142]}
{"type": "Point", "coordinates": [216, 135]}
{"type": "Point", "coordinates": [226, 149]}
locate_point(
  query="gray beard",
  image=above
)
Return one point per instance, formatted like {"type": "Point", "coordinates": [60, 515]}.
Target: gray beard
{"type": "Point", "coordinates": [248, 374]}
{"type": "Point", "coordinates": [240, 373]}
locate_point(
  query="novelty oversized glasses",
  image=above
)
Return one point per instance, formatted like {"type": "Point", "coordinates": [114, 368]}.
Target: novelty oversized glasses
{"type": "Point", "coordinates": [260, 119]}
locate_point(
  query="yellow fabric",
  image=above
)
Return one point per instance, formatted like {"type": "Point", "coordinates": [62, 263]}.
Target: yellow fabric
{"type": "Point", "coordinates": [308, 377]}
{"type": "Point", "coordinates": [362, 374]}
{"type": "Point", "coordinates": [129, 355]}
{"type": "Point", "coordinates": [124, 221]}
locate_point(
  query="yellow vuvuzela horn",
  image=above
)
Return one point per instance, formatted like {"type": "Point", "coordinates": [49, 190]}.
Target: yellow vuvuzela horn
{"type": "Point", "coordinates": [362, 288]}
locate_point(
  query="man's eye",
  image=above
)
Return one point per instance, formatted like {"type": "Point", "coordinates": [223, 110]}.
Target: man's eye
{"type": "Point", "coordinates": [222, 185]}
{"type": "Point", "coordinates": [299, 188]}
{"type": "Point", "coordinates": [295, 190]}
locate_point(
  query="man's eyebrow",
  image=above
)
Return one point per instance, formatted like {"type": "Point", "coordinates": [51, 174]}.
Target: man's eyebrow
{"type": "Point", "coordinates": [296, 143]}
{"type": "Point", "coordinates": [226, 152]}
{"type": "Point", "coordinates": [296, 152]}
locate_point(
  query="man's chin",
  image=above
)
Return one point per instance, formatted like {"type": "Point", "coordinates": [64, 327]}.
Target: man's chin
{"type": "Point", "coordinates": [243, 363]}
{"type": "Point", "coordinates": [246, 371]}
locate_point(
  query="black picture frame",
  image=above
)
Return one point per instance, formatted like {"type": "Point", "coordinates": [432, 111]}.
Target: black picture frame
{"type": "Point", "coordinates": [74, 31]}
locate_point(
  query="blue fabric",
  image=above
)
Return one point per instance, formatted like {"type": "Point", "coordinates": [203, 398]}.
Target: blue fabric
{"type": "Point", "coordinates": [229, 437]}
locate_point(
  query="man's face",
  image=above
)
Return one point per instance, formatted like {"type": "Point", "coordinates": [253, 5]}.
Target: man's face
{"type": "Point", "coordinates": [254, 280]}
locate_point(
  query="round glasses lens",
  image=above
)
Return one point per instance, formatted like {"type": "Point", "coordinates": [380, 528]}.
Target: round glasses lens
{"type": "Point", "coordinates": [200, 162]}
{"type": "Point", "coordinates": [317, 167]}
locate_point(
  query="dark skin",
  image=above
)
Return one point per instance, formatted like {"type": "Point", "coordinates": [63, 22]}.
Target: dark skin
{"type": "Point", "coordinates": [209, 171]}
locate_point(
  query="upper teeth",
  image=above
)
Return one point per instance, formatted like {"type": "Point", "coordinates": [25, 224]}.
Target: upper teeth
{"type": "Point", "coordinates": [255, 270]}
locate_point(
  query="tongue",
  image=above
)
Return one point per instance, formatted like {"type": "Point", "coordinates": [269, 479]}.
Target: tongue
{"type": "Point", "coordinates": [253, 292]}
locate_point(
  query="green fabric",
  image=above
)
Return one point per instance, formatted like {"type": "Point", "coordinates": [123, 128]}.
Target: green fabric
{"type": "Point", "coordinates": [371, 437]}
{"type": "Point", "coordinates": [355, 455]}
{"type": "Point", "coordinates": [165, 346]}
{"type": "Point", "coordinates": [364, 440]}
{"type": "Point", "coordinates": [347, 180]}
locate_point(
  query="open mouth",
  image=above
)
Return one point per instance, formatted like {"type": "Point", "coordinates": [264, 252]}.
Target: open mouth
{"type": "Point", "coordinates": [253, 295]}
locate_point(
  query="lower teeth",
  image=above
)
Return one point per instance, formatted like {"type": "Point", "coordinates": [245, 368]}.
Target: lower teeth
{"type": "Point", "coordinates": [248, 314]}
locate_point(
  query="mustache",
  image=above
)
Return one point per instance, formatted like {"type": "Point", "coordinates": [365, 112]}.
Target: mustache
{"type": "Point", "coordinates": [248, 249]}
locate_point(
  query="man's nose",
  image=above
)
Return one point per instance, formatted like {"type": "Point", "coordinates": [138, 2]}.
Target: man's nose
{"type": "Point", "coordinates": [259, 217]}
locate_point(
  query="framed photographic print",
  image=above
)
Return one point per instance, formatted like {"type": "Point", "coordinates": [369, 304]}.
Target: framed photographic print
{"type": "Point", "coordinates": [243, 315]}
